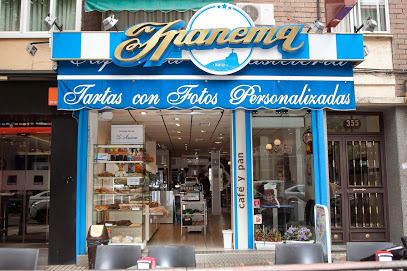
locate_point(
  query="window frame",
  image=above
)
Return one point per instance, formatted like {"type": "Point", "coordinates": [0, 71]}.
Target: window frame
{"type": "Point", "coordinates": [356, 21]}
{"type": "Point", "coordinates": [359, 19]}
{"type": "Point", "coordinates": [24, 13]}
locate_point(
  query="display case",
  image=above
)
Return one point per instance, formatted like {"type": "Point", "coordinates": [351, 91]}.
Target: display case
{"type": "Point", "coordinates": [121, 192]}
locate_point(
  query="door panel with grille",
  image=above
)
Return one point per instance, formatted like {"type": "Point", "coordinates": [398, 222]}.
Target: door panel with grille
{"type": "Point", "coordinates": [358, 208]}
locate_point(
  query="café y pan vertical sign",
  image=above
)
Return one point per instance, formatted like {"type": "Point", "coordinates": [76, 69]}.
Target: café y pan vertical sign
{"type": "Point", "coordinates": [241, 66]}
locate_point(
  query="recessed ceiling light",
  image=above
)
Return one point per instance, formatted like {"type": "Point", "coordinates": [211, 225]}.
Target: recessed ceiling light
{"type": "Point", "coordinates": [221, 134]}
{"type": "Point", "coordinates": [221, 137]}
{"type": "Point", "coordinates": [203, 131]}
{"type": "Point", "coordinates": [143, 113]}
{"type": "Point", "coordinates": [179, 138]}
{"type": "Point", "coordinates": [186, 144]}
{"type": "Point", "coordinates": [177, 118]}
{"type": "Point", "coordinates": [177, 124]}
{"type": "Point", "coordinates": [218, 142]}
{"type": "Point", "coordinates": [179, 132]}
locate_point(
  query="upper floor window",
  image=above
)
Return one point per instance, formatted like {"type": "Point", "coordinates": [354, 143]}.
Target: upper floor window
{"type": "Point", "coordinates": [378, 10]}
{"type": "Point", "coordinates": [27, 16]}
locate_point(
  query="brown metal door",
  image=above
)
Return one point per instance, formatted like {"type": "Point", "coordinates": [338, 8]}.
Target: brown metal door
{"type": "Point", "coordinates": [356, 174]}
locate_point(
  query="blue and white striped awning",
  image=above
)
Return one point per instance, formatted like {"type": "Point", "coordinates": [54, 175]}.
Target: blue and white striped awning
{"type": "Point", "coordinates": [318, 47]}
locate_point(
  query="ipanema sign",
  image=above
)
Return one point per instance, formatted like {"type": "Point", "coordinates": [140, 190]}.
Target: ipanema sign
{"type": "Point", "coordinates": [219, 37]}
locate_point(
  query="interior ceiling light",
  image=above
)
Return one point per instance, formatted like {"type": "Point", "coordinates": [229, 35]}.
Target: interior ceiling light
{"type": "Point", "coordinates": [218, 142]}
{"type": "Point", "coordinates": [179, 132]}
{"type": "Point", "coordinates": [177, 118]}
{"type": "Point", "coordinates": [221, 137]}
{"type": "Point", "coordinates": [179, 138]}
{"type": "Point", "coordinates": [143, 113]}
{"type": "Point", "coordinates": [109, 22]}
{"type": "Point", "coordinates": [205, 124]}
{"type": "Point", "coordinates": [269, 146]}
{"type": "Point", "coordinates": [229, 163]}
{"type": "Point", "coordinates": [203, 131]}
{"type": "Point", "coordinates": [177, 124]}
{"type": "Point", "coordinates": [277, 142]}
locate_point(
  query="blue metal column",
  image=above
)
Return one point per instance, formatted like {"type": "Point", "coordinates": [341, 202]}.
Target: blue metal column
{"type": "Point", "coordinates": [249, 153]}
{"type": "Point", "coordinates": [319, 150]}
{"type": "Point", "coordinates": [81, 181]}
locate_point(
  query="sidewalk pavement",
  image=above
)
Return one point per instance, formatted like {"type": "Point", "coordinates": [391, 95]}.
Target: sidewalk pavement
{"type": "Point", "coordinates": [231, 258]}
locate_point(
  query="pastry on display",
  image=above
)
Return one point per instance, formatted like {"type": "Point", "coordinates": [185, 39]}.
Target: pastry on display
{"type": "Point", "coordinates": [106, 174]}
{"type": "Point", "coordinates": [101, 207]}
{"type": "Point", "coordinates": [123, 223]}
{"type": "Point", "coordinates": [114, 206]}
{"type": "Point", "coordinates": [103, 190]}
{"type": "Point", "coordinates": [117, 238]}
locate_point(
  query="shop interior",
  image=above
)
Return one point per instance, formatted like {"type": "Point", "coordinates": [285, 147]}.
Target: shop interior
{"type": "Point", "coordinates": [177, 150]}
{"type": "Point", "coordinates": [170, 172]}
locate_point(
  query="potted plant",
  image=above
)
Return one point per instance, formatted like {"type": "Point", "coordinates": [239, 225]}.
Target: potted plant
{"type": "Point", "coordinates": [267, 240]}
{"type": "Point", "coordinates": [298, 234]}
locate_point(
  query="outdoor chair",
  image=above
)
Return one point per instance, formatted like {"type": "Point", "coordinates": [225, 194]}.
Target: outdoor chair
{"type": "Point", "coordinates": [355, 251]}
{"type": "Point", "coordinates": [299, 253]}
{"type": "Point", "coordinates": [173, 256]}
{"type": "Point", "coordinates": [117, 257]}
{"type": "Point", "coordinates": [18, 258]}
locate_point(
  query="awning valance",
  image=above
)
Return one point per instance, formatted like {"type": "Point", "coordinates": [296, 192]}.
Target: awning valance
{"type": "Point", "coordinates": [149, 5]}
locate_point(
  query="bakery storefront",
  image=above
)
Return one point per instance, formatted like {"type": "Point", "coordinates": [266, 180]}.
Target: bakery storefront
{"type": "Point", "coordinates": [275, 81]}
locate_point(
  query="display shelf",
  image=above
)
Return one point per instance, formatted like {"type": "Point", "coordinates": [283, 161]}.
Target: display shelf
{"type": "Point", "coordinates": [114, 146]}
{"type": "Point", "coordinates": [201, 217]}
{"type": "Point", "coordinates": [117, 191]}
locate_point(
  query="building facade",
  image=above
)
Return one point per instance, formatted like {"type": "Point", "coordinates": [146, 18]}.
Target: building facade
{"type": "Point", "coordinates": [361, 144]}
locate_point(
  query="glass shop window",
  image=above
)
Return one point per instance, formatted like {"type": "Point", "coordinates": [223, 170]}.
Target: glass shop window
{"type": "Point", "coordinates": [283, 173]}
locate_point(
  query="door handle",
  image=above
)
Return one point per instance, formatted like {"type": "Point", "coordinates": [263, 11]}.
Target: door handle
{"type": "Point", "coordinates": [358, 189]}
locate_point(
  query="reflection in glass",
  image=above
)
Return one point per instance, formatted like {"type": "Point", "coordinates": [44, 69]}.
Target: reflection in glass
{"type": "Point", "coordinates": [10, 15]}
{"type": "Point", "coordinates": [366, 210]}
{"type": "Point", "coordinates": [334, 162]}
{"type": "Point", "coordinates": [336, 211]}
{"type": "Point", "coordinates": [39, 9]}
{"type": "Point", "coordinates": [282, 171]}
{"type": "Point", "coordinates": [24, 177]}
{"type": "Point", "coordinates": [364, 163]}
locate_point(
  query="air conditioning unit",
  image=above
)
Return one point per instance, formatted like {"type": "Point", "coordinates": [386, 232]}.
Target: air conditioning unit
{"type": "Point", "coordinates": [261, 14]}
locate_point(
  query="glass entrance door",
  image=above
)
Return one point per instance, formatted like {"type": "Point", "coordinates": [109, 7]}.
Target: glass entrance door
{"type": "Point", "coordinates": [358, 205]}
{"type": "Point", "coordinates": [24, 185]}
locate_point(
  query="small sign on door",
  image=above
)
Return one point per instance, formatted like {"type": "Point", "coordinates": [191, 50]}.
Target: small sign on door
{"type": "Point", "coordinates": [256, 203]}
{"type": "Point", "coordinates": [258, 219]}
